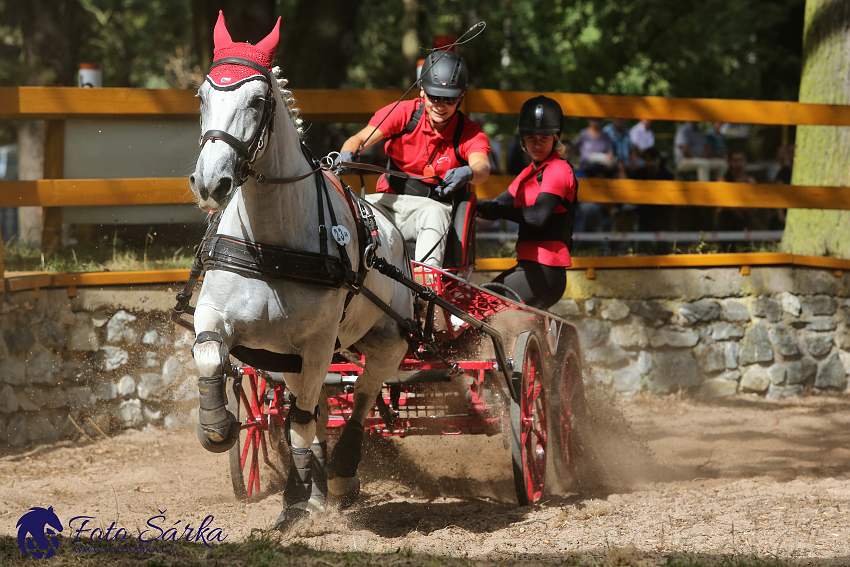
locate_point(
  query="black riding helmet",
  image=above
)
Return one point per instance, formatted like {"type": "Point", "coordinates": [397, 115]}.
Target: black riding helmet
{"type": "Point", "coordinates": [540, 116]}
{"type": "Point", "coordinates": [444, 74]}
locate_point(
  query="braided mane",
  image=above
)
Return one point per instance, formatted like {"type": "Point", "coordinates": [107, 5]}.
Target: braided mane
{"type": "Point", "coordinates": [289, 101]}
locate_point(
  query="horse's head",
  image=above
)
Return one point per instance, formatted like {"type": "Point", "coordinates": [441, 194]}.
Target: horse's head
{"type": "Point", "coordinates": [237, 109]}
{"type": "Point", "coordinates": [38, 518]}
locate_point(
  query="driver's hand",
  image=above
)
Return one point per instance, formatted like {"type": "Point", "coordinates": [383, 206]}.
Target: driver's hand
{"type": "Point", "coordinates": [345, 155]}
{"type": "Point", "coordinates": [454, 180]}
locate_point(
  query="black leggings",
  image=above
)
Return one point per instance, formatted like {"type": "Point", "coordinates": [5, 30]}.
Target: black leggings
{"type": "Point", "coordinates": [538, 285]}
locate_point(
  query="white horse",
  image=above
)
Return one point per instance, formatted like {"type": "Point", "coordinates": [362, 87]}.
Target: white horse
{"type": "Point", "coordinates": [267, 319]}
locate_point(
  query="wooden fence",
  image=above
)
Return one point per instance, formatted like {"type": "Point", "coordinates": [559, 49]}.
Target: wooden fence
{"type": "Point", "coordinates": [55, 105]}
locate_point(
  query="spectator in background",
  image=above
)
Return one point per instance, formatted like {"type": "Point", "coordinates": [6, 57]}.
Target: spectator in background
{"type": "Point", "coordinates": [623, 149]}
{"type": "Point", "coordinates": [690, 150]}
{"type": "Point", "coordinates": [785, 157]}
{"type": "Point", "coordinates": [571, 156]}
{"type": "Point", "coordinates": [596, 150]}
{"type": "Point", "coordinates": [495, 148]}
{"type": "Point", "coordinates": [738, 169]}
{"type": "Point", "coordinates": [736, 218]}
{"type": "Point", "coordinates": [715, 145]}
{"type": "Point", "coordinates": [642, 137]}
{"type": "Point", "coordinates": [652, 167]}
{"type": "Point", "coordinates": [517, 158]}
{"type": "Point", "coordinates": [654, 218]}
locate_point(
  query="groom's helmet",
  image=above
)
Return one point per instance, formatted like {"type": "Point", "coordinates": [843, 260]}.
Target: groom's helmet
{"type": "Point", "coordinates": [540, 116]}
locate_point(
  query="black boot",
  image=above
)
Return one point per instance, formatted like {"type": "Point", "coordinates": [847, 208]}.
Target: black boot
{"type": "Point", "coordinates": [343, 480]}
{"type": "Point", "coordinates": [296, 496]}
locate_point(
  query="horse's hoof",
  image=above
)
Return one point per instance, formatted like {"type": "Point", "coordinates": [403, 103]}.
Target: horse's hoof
{"type": "Point", "coordinates": [317, 504]}
{"type": "Point", "coordinates": [220, 443]}
{"type": "Point", "coordinates": [289, 517]}
{"type": "Point", "coordinates": [293, 514]}
{"type": "Point", "coordinates": [342, 492]}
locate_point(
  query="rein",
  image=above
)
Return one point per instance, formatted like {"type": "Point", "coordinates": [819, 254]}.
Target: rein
{"type": "Point", "coordinates": [384, 170]}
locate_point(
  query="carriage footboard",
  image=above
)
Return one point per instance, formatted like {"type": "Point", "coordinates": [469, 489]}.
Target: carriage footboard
{"type": "Point", "coordinates": [428, 295]}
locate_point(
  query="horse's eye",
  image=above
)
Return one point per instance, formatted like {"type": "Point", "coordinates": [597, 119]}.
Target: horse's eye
{"type": "Point", "coordinates": [257, 103]}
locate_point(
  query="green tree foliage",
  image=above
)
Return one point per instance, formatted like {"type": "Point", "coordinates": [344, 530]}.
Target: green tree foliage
{"type": "Point", "coordinates": [139, 43]}
{"type": "Point", "coordinates": [693, 48]}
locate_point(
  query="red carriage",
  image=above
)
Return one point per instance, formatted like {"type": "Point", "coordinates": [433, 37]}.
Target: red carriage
{"type": "Point", "coordinates": [534, 399]}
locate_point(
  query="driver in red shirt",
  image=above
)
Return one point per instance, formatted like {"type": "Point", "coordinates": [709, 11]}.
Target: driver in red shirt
{"type": "Point", "coordinates": [427, 136]}
{"type": "Point", "coordinates": [542, 199]}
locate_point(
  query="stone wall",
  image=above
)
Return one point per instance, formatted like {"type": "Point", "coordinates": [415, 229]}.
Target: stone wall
{"type": "Point", "coordinates": [111, 359]}
{"type": "Point", "coordinates": [104, 360]}
{"type": "Point", "coordinates": [779, 331]}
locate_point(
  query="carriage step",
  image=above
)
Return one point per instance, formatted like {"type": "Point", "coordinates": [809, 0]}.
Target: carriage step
{"type": "Point", "coordinates": [276, 377]}
{"type": "Point", "coordinates": [421, 377]}
{"type": "Point", "coordinates": [331, 379]}
{"type": "Point", "coordinates": [415, 377]}
{"type": "Point", "coordinates": [450, 416]}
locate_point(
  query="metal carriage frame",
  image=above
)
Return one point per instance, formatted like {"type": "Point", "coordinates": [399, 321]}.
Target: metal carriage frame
{"type": "Point", "coordinates": [534, 400]}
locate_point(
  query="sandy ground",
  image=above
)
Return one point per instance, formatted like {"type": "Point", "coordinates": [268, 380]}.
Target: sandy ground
{"type": "Point", "coordinates": [737, 476]}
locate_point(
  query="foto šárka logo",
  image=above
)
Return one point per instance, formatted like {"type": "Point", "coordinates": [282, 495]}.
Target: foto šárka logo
{"type": "Point", "coordinates": [38, 534]}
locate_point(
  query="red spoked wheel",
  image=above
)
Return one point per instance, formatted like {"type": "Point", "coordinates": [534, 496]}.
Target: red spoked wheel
{"type": "Point", "coordinates": [528, 421]}
{"type": "Point", "coordinates": [250, 404]}
{"type": "Point", "coordinates": [568, 384]}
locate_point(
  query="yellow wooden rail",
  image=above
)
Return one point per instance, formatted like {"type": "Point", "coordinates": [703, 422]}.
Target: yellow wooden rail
{"type": "Point", "coordinates": [166, 190]}
{"type": "Point", "coordinates": [29, 280]}
{"type": "Point", "coordinates": [319, 105]}
{"type": "Point", "coordinates": [659, 108]}
{"type": "Point", "coordinates": [57, 104]}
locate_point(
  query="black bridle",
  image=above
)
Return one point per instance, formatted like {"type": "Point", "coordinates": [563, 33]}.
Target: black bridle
{"type": "Point", "coordinates": [247, 152]}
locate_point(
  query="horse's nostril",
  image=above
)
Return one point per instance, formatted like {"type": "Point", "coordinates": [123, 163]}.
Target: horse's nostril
{"type": "Point", "coordinates": [201, 190]}
{"type": "Point", "coordinates": [221, 189]}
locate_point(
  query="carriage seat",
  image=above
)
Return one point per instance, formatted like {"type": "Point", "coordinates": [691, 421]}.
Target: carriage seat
{"type": "Point", "coordinates": [460, 241]}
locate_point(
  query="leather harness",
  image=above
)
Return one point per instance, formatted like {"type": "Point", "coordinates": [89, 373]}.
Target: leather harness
{"type": "Point", "coordinates": [253, 259]}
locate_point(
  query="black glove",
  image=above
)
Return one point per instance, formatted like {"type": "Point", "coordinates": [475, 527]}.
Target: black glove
{"type": "Point", "coordinates": [345, 155]}
{"type": "Point", "coordinates": [487, 209]}
{"type": "Point", "coordinates": [454, 180]}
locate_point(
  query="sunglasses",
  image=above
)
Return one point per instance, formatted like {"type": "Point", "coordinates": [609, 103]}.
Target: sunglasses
{"type": "Point", "coordinates": [450, 100]}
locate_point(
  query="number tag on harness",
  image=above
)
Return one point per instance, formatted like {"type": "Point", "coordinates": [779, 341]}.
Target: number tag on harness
{"type": "Point", "coordinates": [341, 235]}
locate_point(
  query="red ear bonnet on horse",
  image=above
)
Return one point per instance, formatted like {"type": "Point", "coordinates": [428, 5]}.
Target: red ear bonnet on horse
{"type": "Point", "coordinates": [262, 53]}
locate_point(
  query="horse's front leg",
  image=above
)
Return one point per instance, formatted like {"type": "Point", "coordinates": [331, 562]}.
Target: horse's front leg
{"type": "Point", "coordinates": [382, 359]}
{"type": "Point", "coordinates": [306, 485]}
{"type": "Point", "coordinates": [218, 429]}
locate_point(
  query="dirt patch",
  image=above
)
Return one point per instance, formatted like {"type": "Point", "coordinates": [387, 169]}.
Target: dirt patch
{"type": "Point", "coordinates": [739, 476]}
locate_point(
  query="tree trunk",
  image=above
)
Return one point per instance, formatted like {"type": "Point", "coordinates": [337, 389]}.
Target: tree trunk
{"type": "Point", "coordinates": [30, 168]}
{"type": "Point", "coordinates": [51, 33]}
{"type": "Point", "coordinates": [823, 152]}
{"type": "Point", "coordinates": [410, 39]}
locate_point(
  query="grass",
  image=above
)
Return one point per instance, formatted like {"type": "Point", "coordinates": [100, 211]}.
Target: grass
{"type": "Point", "coordinates": [267, 549]}
{"type": "Point", "coordinates": [586, 250]}
{"type": "Point", "coordinates": [112, 254]}
{"type": "Point", "coordinates": [105, 256]}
